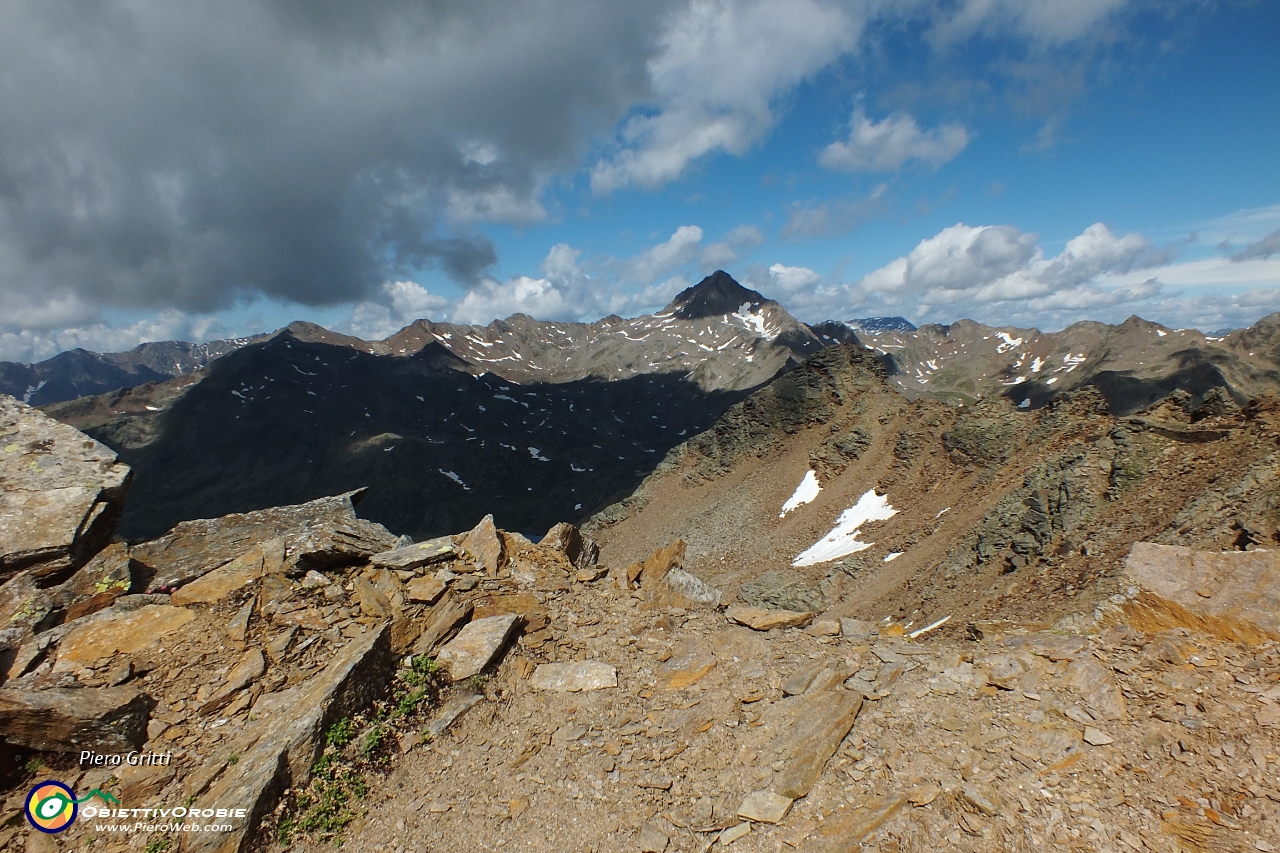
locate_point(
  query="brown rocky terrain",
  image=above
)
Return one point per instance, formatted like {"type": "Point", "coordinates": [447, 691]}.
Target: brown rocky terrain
{"type": "Point", "coordinates": [1075, 647]}
{"type": "Point", "coordinates": [999, 511]}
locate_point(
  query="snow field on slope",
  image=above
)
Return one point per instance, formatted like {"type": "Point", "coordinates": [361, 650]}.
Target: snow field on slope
{"type": "Point", "coordinates": [843, 538]}
{"type": "Point", "coordinates": [804, 493]}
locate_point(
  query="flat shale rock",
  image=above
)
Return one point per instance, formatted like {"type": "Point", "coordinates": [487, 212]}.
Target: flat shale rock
{"type": "Point", "coordinates": [417, 555]}
{"type": "Point", "coordinates": [477, 645]}
{"type": "Point", "coordinates": [759, 619]}
{"type": "Point", "coordinates": [127, 631]}
{"type": "Point", "coordinates": [575, 677]}
{"type": "Point", "coordinates": [847, 832]}
{"type": "Point", "coordinates": [425, 589]}
{"type": "Point", "coordinates": [689, 663]}
{"type": "Point", "coordinates": [221, 582]}
{"type": "Point", "coordinates": [102, 719]}
{"type": "Point", "coordinates": [318, 534]}
{"type": "Point", "coordinates": [61, 492]}
{"type": "Point", "coordinates": [1233, 594]}
{"type": "Point", "coordinates": [765, 807]}
{"type": "Point", "coordinates": [822, 719]}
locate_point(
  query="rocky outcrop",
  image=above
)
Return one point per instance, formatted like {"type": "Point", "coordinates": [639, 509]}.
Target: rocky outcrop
{"type": "Point", "coordinates": [323, 533]}
{"type": "Point", "coordinates": [61, 493]}
{"type": "Point", "coordinates": [280, 749]}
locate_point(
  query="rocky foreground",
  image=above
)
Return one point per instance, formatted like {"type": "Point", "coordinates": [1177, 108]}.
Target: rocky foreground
{"type": "Point", "coordinates": [342, 684]}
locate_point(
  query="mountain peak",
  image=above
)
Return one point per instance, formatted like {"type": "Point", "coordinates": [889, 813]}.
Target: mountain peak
{"type": "Point", "coordinates": [716, 294]}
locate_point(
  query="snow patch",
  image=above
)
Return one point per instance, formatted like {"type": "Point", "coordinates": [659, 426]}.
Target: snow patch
{"type": "Point", "coordinates": [753, 321]}
{"type": "Point", "coordinates": [804, 493]}
{"type": "Point", "coordinates": [843, 538]}
{"type": "Point", "coordinates": [537, 454]}
{"type": "Point", "coordinates": [453, 476]}
{"type": "Point", "coordinates": [31, 389]}
{"type": "Point", "coordinates": [1009, 343]}
{"type": "Point", "coordinates": [893, 555]}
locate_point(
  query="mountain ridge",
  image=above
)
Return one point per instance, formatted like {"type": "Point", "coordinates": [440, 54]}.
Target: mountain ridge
{"type": "Point", "coordinates": [540, 421]}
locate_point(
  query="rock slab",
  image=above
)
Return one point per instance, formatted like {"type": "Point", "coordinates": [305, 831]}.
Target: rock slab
{"type": "Point", "coordinates": [116, 630]}
{"type": "Point", "coordinates": [280, 748]}
{"type": "Point", "coordinates": [822, 720]}
{"type": "Point", "coordinates": [765, 807]}
{"type": "Point", "coordinates": [760, 619]}
{"type": "Point", "coordinates": [417, 555]}
{"type": "Point", "coordinates": [575, 677]}
{"type": "Point", "coordinates": [484, 546]}
{"type": "Point", "coordinates": [477, 645]}
{"type": "Point", "coordinates": [221, 582]}
{"type": "Point", "coordinates": [103, 719]}
{"type": "Point", "coordinates": [322, 533]}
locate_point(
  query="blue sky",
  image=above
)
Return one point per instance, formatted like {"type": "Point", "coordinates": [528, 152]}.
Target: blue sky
{"type": "Point", "coordinates": [176, 173]}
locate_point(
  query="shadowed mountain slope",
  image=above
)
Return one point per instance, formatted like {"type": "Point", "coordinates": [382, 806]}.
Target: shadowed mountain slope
{"type": "Point", "coordinates": [287, 420]}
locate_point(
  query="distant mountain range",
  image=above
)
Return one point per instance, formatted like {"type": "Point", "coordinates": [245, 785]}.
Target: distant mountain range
{"type": "Point", "coordinates": [546, 421]}
{"type": "Point", "coordinates": [755, 337]}
{"type": "Point", "coordinates": [79, 373]}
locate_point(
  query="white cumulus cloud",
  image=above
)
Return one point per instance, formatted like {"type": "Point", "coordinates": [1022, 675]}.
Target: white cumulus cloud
{"type": "Point", "coordinates": [397, 305]}
{"type": "Point", "coordinates": [886, 145]}
{"type": "Point", "coordinates": [719, 68]}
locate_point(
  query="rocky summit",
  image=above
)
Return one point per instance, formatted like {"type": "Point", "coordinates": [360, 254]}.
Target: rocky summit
{"type": "Point", "coordinates": [842, 616]}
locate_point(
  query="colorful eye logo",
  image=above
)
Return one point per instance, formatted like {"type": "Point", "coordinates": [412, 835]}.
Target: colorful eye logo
{"type": "Point", "coordinates": [51, 807]}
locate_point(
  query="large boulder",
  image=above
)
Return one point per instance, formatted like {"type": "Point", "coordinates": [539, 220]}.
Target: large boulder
{"type": "Point", "coordinates": [322, 533]}
{"type": "Point", "coordinates": [1234, 594]}
{"type": "Point", "coordinates": [106, 719]}
{"type": "Point", "coordinates": [61, 493]}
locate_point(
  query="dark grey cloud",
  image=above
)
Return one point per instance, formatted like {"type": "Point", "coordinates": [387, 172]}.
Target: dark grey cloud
{"type": "Point", "coordinates": [160, 154]}
{"type": "Point", "coordinates": [182, 155]}
{"type": "Point", "coordinates": [1264, 248]}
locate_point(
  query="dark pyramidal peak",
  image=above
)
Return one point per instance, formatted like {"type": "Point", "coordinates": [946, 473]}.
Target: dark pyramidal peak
{"type": "Point", "coordinates": [715, 295]}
